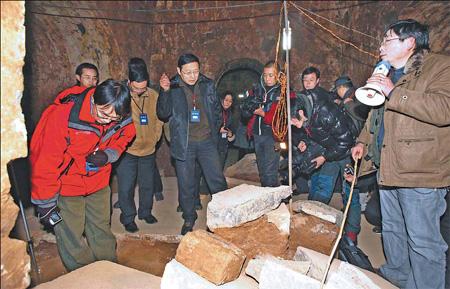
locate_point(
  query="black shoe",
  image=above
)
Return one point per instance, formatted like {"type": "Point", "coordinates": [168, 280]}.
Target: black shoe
{"type": "Point", "coordinates": [159, 196]}
{"type": "Point", "coordinates": [150, 219]}
{"type": "Point", "coordinates": [187, 227]}
{"type": "Point", "coordinates": [198, 207]}
{"type": "Point", "coordinates": [376, 230]}
{"type": "Point", "coordinates": [131, 227]}
{"type": "Point", "coordinates": [179, 209]}
{"type": "Point", "coordinates": [116, 205]}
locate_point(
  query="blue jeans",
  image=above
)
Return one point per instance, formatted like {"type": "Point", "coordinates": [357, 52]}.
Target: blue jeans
{"type": "Point", "coordinates": [206, 155]}
{"type": "Point", "coordinates": [130, 168]}
{"type": "Point", "coordinates": [322, 187]}
{"type": "Point", "coordinates": [445, 231]}
{"type": "Point", "coordinates": [412, 241]}
{"type": "Point", "coordinates": [267, 160]}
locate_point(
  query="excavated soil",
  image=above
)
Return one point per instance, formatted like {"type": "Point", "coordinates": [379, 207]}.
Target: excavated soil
{"type": "Point", "coordinates": [145, 253]}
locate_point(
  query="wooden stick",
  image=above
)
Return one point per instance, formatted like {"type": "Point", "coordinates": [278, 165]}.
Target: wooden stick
{"type": "Point", "coordinates": [330, 259]}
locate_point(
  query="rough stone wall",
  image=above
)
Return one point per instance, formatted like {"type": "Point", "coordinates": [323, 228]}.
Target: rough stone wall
{"type": "Point", "coordinates": [60, 38]}
{"type": "Point", "coordinates": [15, 263]}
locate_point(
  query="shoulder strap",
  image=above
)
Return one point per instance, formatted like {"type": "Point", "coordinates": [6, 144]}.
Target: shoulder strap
{"type": "Point", "coordinates": [73, 96]}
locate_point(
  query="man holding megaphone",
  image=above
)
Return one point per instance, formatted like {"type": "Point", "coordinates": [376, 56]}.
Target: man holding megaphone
{"type": "Point", "coordinates": [413, 141]}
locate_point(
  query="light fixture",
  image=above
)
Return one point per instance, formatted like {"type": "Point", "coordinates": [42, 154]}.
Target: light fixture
{"type": "Point", "coordinates": [287, 35]}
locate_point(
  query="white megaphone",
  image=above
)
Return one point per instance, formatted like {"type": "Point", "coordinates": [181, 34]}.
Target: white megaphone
{"type": "Point", "coordinates": [371, 94]}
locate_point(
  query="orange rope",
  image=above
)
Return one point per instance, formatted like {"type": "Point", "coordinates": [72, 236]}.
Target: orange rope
{"type": "Point", "coordinates": [280, 121]}
{"type": "Point", "coordinates": [279, 37]}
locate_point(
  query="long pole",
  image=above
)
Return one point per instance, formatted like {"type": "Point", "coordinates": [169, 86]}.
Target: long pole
{"type": "Point", "coordinates": [288, 93]}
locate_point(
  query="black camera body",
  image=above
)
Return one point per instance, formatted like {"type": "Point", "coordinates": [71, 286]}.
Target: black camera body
{"type": "Point", "coordinates": [349, 170]}
{"type": "Point", "coordinates": [251, 103]}
{"type": "Point", "coordinates": [301, 161]}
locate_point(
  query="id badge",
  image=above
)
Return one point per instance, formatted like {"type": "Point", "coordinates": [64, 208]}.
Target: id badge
{"type": "Point", "coordinates": [90, 167]}
{"type": "Point", "coordinates": [224, 135]}
{"type": "Point", "coordinates": [143, 119]}
{"type": "Point", "coordinates": [195, 115]}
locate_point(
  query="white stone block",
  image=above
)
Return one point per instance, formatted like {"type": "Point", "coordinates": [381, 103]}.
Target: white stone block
{"type": "Point", "coordinates": [348, 271]}
{"type": "Point", "coordinates": [276, 275]}
{"type": "Point", "coordinates": [104, 275]}
{"type": "Point", "coordinates": [177, 276]}
{"type": "Point", "coordinates": [319, 210]}
{"type": "Point", "coordinates": [349, 276]}
{"type": "Point", "coordinates": [242, 204]}
{"type": "Point", "coordinates": [281, 218]}
{"type": "Point", "coordinates": [255, 265]}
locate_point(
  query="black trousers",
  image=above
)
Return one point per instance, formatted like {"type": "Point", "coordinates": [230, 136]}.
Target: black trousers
{"type": "Point", "coordinates": [129, 169]}
{"type": "Point", "coordinates": [267, 160]}
{"type": "Point", "coordinates": [206, 155]}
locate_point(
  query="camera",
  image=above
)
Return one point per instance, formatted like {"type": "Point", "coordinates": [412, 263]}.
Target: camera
{"type": "Point", "coordinates": [349, 170]}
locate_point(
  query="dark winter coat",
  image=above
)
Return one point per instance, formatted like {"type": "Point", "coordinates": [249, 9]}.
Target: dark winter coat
{"type": "Point", "coordinates": [256, 97]}
{"type": "Point", "coordinates": [327, 125]}
{"type": "Point", "coordinates": [172, 106]}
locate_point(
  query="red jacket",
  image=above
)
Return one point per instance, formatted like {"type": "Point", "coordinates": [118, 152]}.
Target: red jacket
{"type": "Point", "coordinates": [63, 138]}
{"type": "Point", "coordinates": [76, 89]}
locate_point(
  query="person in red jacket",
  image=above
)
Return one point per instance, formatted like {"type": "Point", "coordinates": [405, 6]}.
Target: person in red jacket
{"type": "Point", "coordinates": [71, 152]}
{"type": "Point", "coordinates": [86, 75]}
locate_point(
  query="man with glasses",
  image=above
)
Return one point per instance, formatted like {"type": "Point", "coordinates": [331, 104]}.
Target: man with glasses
{"type": "Point", "coordinates": [414, 173]}
{"type": "Point", "coordinates": [71, 152]}
{"type": "Point", "coordinates": [86, 75]}
{"type": "Point", "coordinates": [139, 160]}
{"type": "Point", "coordinates": [190, 104]}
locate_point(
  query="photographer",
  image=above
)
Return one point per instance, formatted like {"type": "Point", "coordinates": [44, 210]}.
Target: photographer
{"type": "Point", "coordinates": [226, 133]}
{"type": "Point", "coordinates": [259, 108]}
{"type": "Point", "coordinates": [321, 121]}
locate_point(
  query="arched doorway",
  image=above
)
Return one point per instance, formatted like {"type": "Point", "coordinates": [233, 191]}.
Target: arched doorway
{"type": "Point", "coordinates": [238, 75]}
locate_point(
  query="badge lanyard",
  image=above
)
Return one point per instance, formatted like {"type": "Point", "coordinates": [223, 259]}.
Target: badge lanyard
{"type": "Point", "coordinates": [143, 118]}
{"type": "Point", "coordinates": [225, 118]}
{"type": "Point", "coordinates": [195, 113]}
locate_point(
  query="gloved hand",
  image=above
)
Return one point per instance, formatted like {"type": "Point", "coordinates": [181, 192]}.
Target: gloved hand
{"type": "Point", "coordinates": [98, 158]}
{"type": "Point", "coordinates": [44, 214]}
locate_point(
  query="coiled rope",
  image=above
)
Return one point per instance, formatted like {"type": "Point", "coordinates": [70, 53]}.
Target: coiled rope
{"type": "Point", "coordinates": [280, 121]}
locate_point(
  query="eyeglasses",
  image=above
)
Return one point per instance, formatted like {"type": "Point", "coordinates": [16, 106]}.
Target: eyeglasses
{"type": "Point", "coordinates": [386, 41]}
{"type": "Point", "coordinates": [106, 115]}
{"type": "Point", "coordinates": [193, 73]}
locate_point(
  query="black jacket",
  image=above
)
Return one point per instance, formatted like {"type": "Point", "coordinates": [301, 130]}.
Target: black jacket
{"type": "Point", "coordinates": [256, 97]}
{"type": "Point", "coordinates": [172, 106]}
{"type": "Point", "coordinates": [327, 125]}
